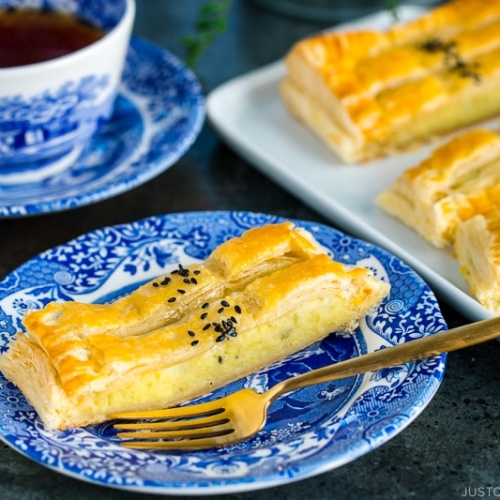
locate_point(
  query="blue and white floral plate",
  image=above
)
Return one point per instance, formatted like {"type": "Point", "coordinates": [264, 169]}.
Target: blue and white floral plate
{"type": "Point", "coordinates": [309, 431]}
{"type": "Point", "coordinates": [158, 114]}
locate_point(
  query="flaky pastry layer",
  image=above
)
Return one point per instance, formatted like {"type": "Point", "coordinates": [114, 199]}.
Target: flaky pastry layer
{"type": "Point", "coordinates": [477, 246]}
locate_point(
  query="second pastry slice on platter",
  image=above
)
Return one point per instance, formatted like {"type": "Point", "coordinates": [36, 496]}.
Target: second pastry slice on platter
{"type": "Point", "coordinates": [452, 199]}
{"type": "Point", "coordinates": [458, 180]}
{"type": "Point", "coordinates": [369, 93]}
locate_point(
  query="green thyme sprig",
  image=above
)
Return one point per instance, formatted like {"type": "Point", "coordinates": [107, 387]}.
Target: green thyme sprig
{"type": "Point", "coordinates": [392, 7]}
{"type": "Point", "coordinates": [212, 21]}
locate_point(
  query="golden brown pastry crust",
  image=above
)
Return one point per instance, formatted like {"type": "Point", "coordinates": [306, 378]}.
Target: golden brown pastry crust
{"type": "Point", "coordinates": [74, 380]}
{"type": "Point", "coordinates": [367, 94]}
{"type": "Point", "coordinates": [164, 300]}
{"type": "Point", "coordinates": [459, 180]}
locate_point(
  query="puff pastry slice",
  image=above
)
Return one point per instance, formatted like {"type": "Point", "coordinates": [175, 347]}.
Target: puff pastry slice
{"type": "Point", "coordinates": [84, 380]}
{"type": "Point", "coordinates": [368, 94]}
{"type": "Point", "coordinates": [459, 180]}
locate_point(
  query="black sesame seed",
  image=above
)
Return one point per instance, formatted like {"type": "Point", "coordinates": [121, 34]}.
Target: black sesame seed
{"type": "Point", "coordinates": [193, 280]}
{"type": "Point", "coordinates": [217, 327]}
{"type": "Point", "coordinates": [225, 303]}
{"type": "Point", "coordinates": [196, 272]}
{"type": "Point", "coordinates": [182, 292]}
{"type": "Point", "coordinates": [237, 309]}
{"type": "Point", "coordinates": [233, 332]}
{"type": "Point", "coordinates": [233, 319]}
{"type": "Point", "coordinates": [220, 310]}
{"type": "Point", "coordinates": [220, 338]}
{"type": "Point", "coordinates": [191, 333]}
{"type": "Point", "coordinates": [207, 326]}
{"type": "Point", "coordinates": [219, 359]}
{"type": "Point", "coordinates": [194, 342]}
{"type": "Point", "coordinates": [205, 305]}
{"type": "Point", "coordinates": [172, 299]}
{"type": "Point", "coordinates": [436, 45]}
{"type": "Point", "coordinates": [204, 315]}
{"type": "Point", "coordinates": [182, 271]}
{"type": "Point", "coordinates": [155, 284]}
{"type": "Point", "coordinates": [187, 281]}
{"type": "Point", "coordinates": [166, 281]}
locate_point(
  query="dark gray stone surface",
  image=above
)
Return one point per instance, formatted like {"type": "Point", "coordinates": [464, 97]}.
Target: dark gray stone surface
{"type": "Point", "coordinates": [452, 446]}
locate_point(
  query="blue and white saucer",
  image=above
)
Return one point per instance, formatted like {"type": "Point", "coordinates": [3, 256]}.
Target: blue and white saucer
{"type": "Point", "coordinates": [158, 114]}
{"type": "Point", "coordinates": [308, 432]}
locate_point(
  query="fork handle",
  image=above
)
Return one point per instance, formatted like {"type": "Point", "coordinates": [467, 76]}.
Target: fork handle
{"type": "Point", "coordinates": [449, 340]}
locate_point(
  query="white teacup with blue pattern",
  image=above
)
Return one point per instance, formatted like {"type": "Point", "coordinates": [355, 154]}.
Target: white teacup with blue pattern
{"type": "Point", "coordinates": [48, 109]}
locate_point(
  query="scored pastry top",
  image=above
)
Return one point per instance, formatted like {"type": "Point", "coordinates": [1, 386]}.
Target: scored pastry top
{"type": "Point", "coordinates": [82, 362]}
{"type": "Point", "coordinates": [165, 299]}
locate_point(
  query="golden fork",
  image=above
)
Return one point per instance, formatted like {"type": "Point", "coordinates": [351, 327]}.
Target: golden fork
{"type": "Point", "coordinates": [239, 416]}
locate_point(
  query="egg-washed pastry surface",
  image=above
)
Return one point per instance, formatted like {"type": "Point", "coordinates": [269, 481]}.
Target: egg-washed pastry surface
{"type": "Point", "coordinates": [166, 299]}
{"type": "Point", "coordinates": [272, 292]}
{"type": "Point", "coordinates": [367, 94]}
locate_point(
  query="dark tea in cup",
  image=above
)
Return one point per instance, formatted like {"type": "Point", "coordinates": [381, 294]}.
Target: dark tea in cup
{"type": "Point", "coordinates": [29, 36]}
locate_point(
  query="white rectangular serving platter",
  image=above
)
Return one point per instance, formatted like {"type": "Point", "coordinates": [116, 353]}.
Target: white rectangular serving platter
{"type": "Point", "coordinates": [248, 114]}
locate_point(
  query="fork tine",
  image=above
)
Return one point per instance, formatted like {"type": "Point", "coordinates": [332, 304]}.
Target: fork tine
{"type": "Point", "coordinates": [209, 408]}
{"type": "Point", "coordinates": [185, 444]}
{"type": "Point", "coordinates": [197, 423]}
{"type": "Point", "coordinates": [178, 434]}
